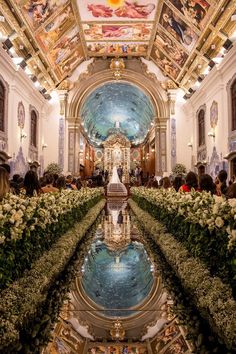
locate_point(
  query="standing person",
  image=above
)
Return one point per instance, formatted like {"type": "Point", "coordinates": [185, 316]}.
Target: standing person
{"type": "Point", "coordinates": [136, 174]}
{"type": "Point", "coordinates": [221, 185]}
{"type": "Point", "coordinates": [106, 174]}
{"type": "Point", "coordinates": [120, 172]}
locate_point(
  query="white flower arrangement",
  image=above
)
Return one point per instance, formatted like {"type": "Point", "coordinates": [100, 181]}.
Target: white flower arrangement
{"type": "Point", "coordinates": [18, 214]}
{"type": "Point", "coordinates": [211, 296]}
{"type": "Point", "coordinates": [196, 207]}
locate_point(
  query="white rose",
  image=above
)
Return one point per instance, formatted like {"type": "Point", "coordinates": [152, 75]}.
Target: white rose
{"type": "Point", "coordinates": [219, 221]}
{"type": "Point", "coordinates": [232, 202]}
{"type": "Point", "coordinates": [7, 207]}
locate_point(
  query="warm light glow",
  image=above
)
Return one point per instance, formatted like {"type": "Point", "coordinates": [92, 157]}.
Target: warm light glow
{"type": "Point", "coordinates": [115, 3]}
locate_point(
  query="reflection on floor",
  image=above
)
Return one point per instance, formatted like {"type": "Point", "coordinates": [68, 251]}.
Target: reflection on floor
{"type": "Point", "coordinates": [117, 304]}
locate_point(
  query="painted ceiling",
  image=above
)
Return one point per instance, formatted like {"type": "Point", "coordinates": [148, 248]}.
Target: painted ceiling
{"type": "Point", "coordinates": [55, 36]}
{"type": "Point", "coordinates": [109, 276]}
{"type": "Point", "coordinates": [117, 106]}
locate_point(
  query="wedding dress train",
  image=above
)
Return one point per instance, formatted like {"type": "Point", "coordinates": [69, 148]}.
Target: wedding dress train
{"type": "Point", "coordinates": [115, 187]}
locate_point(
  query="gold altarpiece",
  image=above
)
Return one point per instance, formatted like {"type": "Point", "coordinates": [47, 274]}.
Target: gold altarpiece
{"type": "Point", "coordinates": [117, 153]}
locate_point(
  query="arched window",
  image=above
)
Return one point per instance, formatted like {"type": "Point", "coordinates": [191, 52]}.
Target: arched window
{"type": "Point", "coordinates": [2, 107]}
{"type": "Point", "coordinates": [233, 104]}
{"type": "Point", "coordinates": [201, 127]}
{"type": "Point", "coordinates": [33, 129]}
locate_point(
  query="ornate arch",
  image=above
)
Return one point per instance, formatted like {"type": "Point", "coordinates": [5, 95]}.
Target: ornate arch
{"type": "Point", "coordinates": [87, 83]}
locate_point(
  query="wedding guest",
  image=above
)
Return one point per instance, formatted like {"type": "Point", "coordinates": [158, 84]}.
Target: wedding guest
{"type": "Point", "coordinates": [221, 185]}
{"type": "Point", "coordinates": [16, 183]}
{"type": "Point", "coordinates": [7, 168]}
{"type": "Point", "coordinates": [4, 183]}
{"type": "Point", "coordinates": [231, 190]}
{"type": "Point", "coordinates": [69, 183]}
{"type": "Point", "coordinates": [191, 182]}
{"type": "Point", "coordinates": [78, 183]}
{"type": "Point", "coordinates": [166, 184]}
{"type": "Point", "coordinates": [49, 184]}
{"type": "Point", "coordinates": [177, 183]}
{"type": "Point", "coordinates": [61, 183]}
{"type": "Point", "coordinates": [206, 184]}
{"type": "Point", "coordinates": [31, 184]}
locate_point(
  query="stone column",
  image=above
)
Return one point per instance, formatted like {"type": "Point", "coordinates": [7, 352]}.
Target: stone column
{"type": "Point", "coordinates": [160, 146]}
{"type": "Point", "coordinates": [63, 95]}
{"type": "Point", "coordinates": [171, 144]}
{"type": "Point", "coordinates": [74, 147]}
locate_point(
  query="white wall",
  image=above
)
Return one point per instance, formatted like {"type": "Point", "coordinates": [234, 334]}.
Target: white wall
{"type": "Point", "coordinates": [213, 88]}
{"type": "Point", "coordinates": [22, 89]}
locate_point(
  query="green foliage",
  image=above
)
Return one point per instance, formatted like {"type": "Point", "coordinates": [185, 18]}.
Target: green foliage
{"type": "Point", "coordinates": [179, 170]}
{"type": "Point", "coordinates": [53, 168]}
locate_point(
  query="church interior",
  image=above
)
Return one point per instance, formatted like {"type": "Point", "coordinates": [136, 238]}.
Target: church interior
{"type": "Point", "coordinates": [117, 176]}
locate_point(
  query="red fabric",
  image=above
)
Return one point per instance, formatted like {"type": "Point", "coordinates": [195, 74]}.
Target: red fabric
{"type": "Point", "coordinates": [185, 188]}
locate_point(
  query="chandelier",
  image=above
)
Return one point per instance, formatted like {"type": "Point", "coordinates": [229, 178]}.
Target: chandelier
{"type": "Point", "coordinates": [117, 331]}
{"type": "Point", "coordinates": [117, 66]}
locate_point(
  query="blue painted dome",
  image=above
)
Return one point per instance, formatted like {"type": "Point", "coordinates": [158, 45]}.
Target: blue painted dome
{"type": "Point", "coordinates": [116, 281]}
{"type": "Point", "coordinates": [117, 104]}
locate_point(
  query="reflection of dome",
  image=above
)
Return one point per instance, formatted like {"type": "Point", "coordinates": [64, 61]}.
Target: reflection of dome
{"type": "Point", "coordinates": [118, 285]}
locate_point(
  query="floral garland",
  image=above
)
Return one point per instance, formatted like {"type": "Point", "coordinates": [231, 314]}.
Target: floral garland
{"type": "Point", "coordinates": [21, 301]}
{"type": "Point", "coordinates": [29, 226]}
{"type": "Point", "coordinates": [200, 221]}
{"type": "Point", "coordinates": [196, 207]}
{"type": "Point", "coordinates": [211, 296]}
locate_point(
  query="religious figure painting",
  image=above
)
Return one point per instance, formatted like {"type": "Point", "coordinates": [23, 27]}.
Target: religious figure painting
{"type": "Point", "coordinates": [196, 11]}
{"type": "Point", "coordinates": [65, 46]}
{"type": "Point", "coordinates": [173, 24]}
{"type": "Point", "coordinates": [72, 61]}
{"type": "Point", "coordinates": [51, 33]}
{"type": "Point", "coordinates": [178, 346]}
{"type": "Point", "coordinates": [139, 31]}
{"type": "Point", "coordinates": [165, 337]}
{"type": "Point", "coordinates": [175, 51]}
{"type": "Point", "coordinates": [38, 11]}
{"type": "Point", "coordinates": [91, 10]}
{"type": "Point", "coordinates": [164, 63]}
{"type": "Point", "coordinates": [117, 48]}
{"type": "Point", "coordinates": [121, 349]}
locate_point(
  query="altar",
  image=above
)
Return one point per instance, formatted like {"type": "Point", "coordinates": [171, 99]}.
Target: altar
{"type": "Point", "coordinates": [117, 153]}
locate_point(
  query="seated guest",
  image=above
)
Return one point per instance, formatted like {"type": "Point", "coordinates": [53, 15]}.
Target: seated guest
{"type": "Point", "coordinates": [49, 184]}
{"type": "Point", "coordinates": [14, 184]}
{"type": "Point", "coordinates": [206, 184]}
{"type": "Point", "coordinates": [78, 183]}
{"type": "Point", "coordinates": [31, 184]}
{"type": "Point", "coordinates": [191, 182]}
{"type": "Point", "coordinates": [221, 185]}
{"type": "Point", "coordinates": [69, 183]}
{"type": "Point", "coordinates": [166, 183]}
{"type": "Point", "coordinates": [4, 183]}
{"type": "Point", "coordinates": [177, 183]}
{"type": "Point", "coordinates": [61, 183]}
{"type": "Point", "coordinates": [7, 168]}
{"type": "Point", "coordinates": [231, 191]}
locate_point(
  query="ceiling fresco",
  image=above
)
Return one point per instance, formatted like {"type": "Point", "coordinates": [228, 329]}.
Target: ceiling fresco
{"type": "Point", "coordinates": [180, 36]}
{"type": "Point", "coordinates": [117, 103]}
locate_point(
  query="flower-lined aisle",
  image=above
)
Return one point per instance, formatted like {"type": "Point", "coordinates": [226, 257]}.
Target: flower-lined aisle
{"type": "Point", "coordinates": [205, 224]}
{"type": "Point", "coordinates": [31, 304]}
{"type": "Point", "coordinates": [211, 296]}
{"type": "Point", "coordinates": [29, 226]}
